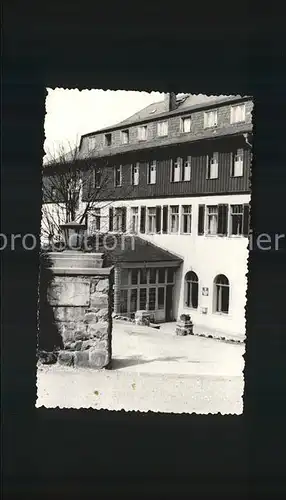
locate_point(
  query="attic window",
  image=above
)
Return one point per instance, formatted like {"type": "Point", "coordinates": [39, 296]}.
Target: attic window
{"type": "Point", "coordinates": [153, 111]}
{"type": "Point", "coordinates": [125, 136]}
{"type": "Point", "coordinates": [108, 139]}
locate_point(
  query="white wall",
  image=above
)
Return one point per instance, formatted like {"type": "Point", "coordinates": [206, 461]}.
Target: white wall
{"type": "Point", "coordinates": [207, 256]}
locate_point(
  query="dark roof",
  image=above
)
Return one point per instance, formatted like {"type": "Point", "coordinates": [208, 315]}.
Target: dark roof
{"type": "Point", "coordinates": [131, 248]}
{"type": "Point", "coordinates": [191, 103]}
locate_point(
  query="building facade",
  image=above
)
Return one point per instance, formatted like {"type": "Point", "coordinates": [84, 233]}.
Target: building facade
{"type": "Point", "coordinates": [177, 175]}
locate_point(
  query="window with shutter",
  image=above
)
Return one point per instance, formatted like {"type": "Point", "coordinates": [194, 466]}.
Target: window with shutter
{"type": "Point", "coordinates": [111, 219]}
{"type": "Point", "coordinates": [165, 220]}
{"type": "Point", "coordinates": [222, 220]}
{"type": "Point", "coordinates": [246, 220]}
{"type": "Point", "coordinates": [158, 219]}
{"type": "Point", "coordinates": [237, 164]}
{"type": "Point", "coordinates": [142, 219]}
{"type": "Point", "coordinates": [201, 221]}
{"type": "Point", "coordinates": [123, 226]}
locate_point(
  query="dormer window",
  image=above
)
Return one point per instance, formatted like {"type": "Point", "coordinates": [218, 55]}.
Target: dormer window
{"type": "Point", "coordinates": [92, 143]}
{"type": "Point", "coordinates": [142, 133]}
{"type": "Point", "coordinates": [125, 136]}
{"type": "Point", "coordinates": [162, 129]}
{"type": "Point", "coordinates": [186, 124]}
{"type": "Point", "coordinates": [210, 119]}
{"type": "Point", "coordinates": [108, 139]}
{"type": "Point", "coordinates": [237, 113]}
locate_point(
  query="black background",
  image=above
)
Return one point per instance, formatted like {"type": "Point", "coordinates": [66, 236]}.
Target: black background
{"type": "Point", "coordinates": [234, 48]}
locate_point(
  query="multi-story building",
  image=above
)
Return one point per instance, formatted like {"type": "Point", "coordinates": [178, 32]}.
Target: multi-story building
{"type": "Point", "coordinates": [177, 175]}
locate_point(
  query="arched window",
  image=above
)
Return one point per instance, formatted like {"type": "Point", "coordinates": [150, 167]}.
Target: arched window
{"type": "Point", "coordinates": [221, 294]}
{"type": "Point", "coordinates": [191, 290]}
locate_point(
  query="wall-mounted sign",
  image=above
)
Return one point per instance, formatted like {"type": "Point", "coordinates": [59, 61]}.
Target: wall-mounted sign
{"type": "Point", "coordinates": [204, 310]}
{"type": "Point", "coordinates": [205, 291]}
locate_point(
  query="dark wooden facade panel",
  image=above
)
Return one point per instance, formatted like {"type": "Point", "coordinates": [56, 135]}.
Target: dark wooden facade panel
{"type": "Point", "coordinates": [198, 185]}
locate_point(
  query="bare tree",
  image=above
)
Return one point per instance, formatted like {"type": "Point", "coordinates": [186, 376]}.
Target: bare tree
{"type": "Point", "coordinates": [74, 187]}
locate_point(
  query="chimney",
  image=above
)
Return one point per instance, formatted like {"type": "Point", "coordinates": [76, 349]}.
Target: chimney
{"type": "Point", "coordinates": [170, 101]}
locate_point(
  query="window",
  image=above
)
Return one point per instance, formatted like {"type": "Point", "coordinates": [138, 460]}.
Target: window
{"type": "Point", "coordinates": [210, 119]}
{"type": "Point", "coordinates": [142, 298]}
{"type": "Point", "coordinates": [191, 290]}
{"type": "Point", "coordinates": [123, 301]}
{"type": "Point", "coordinates": [170, 275]}
{"type": "Point", "coordinates": [151, 177]}
{"type": "Point", "coordinates": [133, 300]}
{"type": "Point", "coordinates": [186, 124]}
{"type": "Point", "coordinates": [186, 219]}
{"type": "Point", "coordinates": [91, 143]}
{"type": "Point", "coordinates": [125, 136]}
{"type": "Point", "coordinates": [97, 219]}
{"type": "Point", "coordinates": [186, 171]}
{"type": "Point", "coordinates": [237, 164]}
{"type": "Point", "coordinates": [108, 139]}
{"type": "Point", "coordinates": [162, 128]}
{"type": "Point", "coordinates": [236, 220]}
{"type": "Point", "coordinates": [134, 219]}
{"type": "Point", "coordinates": [174, 219]}
{"type": "Point", "coordinates": [135, 174]}
{"type": "Point", "coordinates": [161, 297]}
{"type": "Point", "coordinates": [97, 177]}
{"type": "Point", "coordinates": [152, 275]}
{"type": "Point", "coordinates": [120, 219]}
{"type": "Point", "coordinates": [143, 276]}
{"type": "Point", "coordinates": [237, 113]}
{"type": "Point", "coordinates": [118, 176]}
{"type": "Point", "coordinates": [152, 299]}
{"type": "Point", "coordinates": [161, 275]}
{"type": "Point", "coordinates": [212, 166]}
{"type": "Point", "coordinates": [151, 220]}
{"type": "Point", "coordinates": [176, 170]}
{"type": "Point", "coordinates": [142, 133]}
{"type": "Point", "coordinates": [221, 294]}
{"type": "Point", "coordinates": [134, 276]}
{"type": "Point", "coordinates": [212, 219]}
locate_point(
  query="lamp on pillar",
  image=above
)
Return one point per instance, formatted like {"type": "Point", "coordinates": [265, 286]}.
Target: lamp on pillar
{"type": "Point", "coordinates": [74, 234]}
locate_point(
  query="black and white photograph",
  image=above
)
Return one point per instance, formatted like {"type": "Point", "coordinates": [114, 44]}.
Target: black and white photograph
{"type": "Point", "coordinates": [145, 236]}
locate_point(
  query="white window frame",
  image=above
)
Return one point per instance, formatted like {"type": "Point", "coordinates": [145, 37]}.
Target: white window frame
{"type": "Point", "coordinates": [125, 134]}
{"type": "Point", "coordinates": [210, 118]}
{"type": "Point", "coordinates": [142, 136]}
{"type": "Point", "coordinates": [117, 219]}
{"type": "Point", "coordinates": [92, 143]}
{"type": "Point", "coordinates": [237, 113]}
{"type": "Point", "coordinates": [212, 167]}
{"type": "Point", "coordinates": [120, 173]}
{"type": "Point", "coordinates": [135, 220]}
{"type": "Point", "coordinates": [151, 220]}
{"type": "Point", "coordinates": [237, 164]}
{"type": "Point", "coordinates": [135, 169]}
{"type": "Point", "coordinates": [184, 120]}
{"type": "Point", "coordinates": [174, 215]}
{"type": "Point", "coordinates": [218, 296]}
{"type": "Point", "coordinates": [212, 210]}
{"type": "Point", "coordinates": [187, 167]}
{"type": "Point", "coordinates": [176, 167]}
{"type": "Point", "coordinates": [162, 128]}
{"type": "Point", "coordinates": [152, 172]}
{"type": "Point", "coordinates": [234, 212]}
{"type": "Point", "coordinates": [97, 218]}
{"type": "Point", "coordinates": [186, 211]}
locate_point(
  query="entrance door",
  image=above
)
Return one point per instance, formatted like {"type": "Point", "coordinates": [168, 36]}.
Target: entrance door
{"type": "Point", "coordinates": [169, 303]}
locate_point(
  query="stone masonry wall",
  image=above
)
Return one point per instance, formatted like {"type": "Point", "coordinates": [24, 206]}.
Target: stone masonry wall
{"type": "Point", "coordinates": [83, 315]}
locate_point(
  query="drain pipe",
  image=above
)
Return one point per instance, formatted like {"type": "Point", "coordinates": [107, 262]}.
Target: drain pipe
{"type": "Point", "coordinates": [246, 140]}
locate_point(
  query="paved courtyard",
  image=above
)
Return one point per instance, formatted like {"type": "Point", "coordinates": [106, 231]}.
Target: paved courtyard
{"type": "Point", "coordinates": [152, 370]}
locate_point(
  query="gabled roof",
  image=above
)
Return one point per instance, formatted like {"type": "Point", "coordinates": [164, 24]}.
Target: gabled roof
{"type": "Point", "coordinates": [158, 109]}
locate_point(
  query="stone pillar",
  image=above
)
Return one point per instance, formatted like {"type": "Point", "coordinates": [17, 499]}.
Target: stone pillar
{"type": "Point", "coordinates": [117, 282]}
{"type": "Point", "coordinates": [81, 302]}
